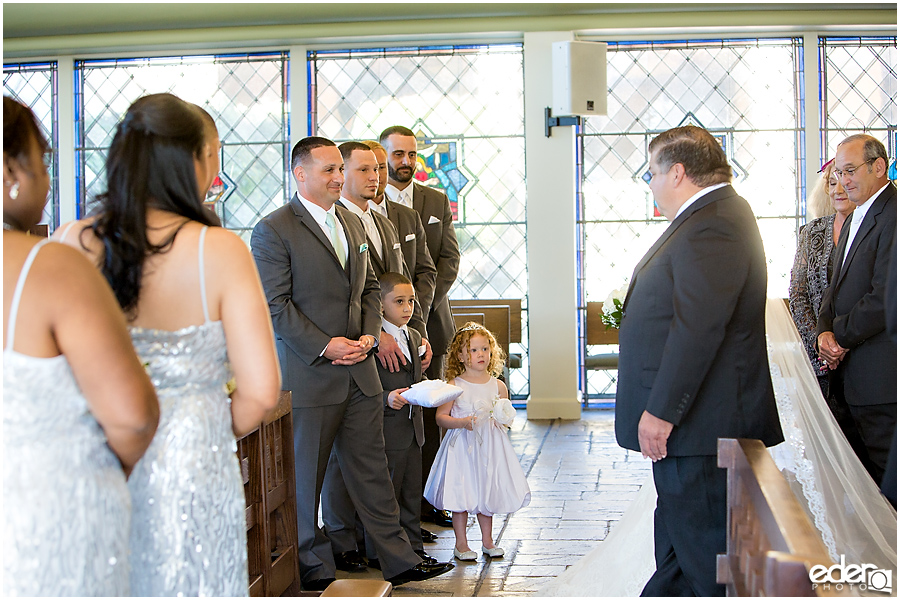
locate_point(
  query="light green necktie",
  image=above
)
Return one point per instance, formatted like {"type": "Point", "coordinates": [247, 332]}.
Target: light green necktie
{"type": "Point", "coordinates": [336, 238]}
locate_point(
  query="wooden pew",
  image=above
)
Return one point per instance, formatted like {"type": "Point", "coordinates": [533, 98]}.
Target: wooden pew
{"type": "Point", "coordinates": [502, 317]}
{"type": "Point", "coordinates": [596, 333]}
{"type": "Point", "coordinates": [266, 455]}
{"type": "Point", "coordinates": [770, 543]}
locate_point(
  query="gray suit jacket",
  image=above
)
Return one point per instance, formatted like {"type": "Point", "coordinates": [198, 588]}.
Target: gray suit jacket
{"type": "Point", "coordinates": [433, 207]}
{"type": "Point", "coordinates": [312, 299]}
{"type": "Point", "coordinates": [415, 251]}
{"type": "Point", "coordinates": [403, 426]}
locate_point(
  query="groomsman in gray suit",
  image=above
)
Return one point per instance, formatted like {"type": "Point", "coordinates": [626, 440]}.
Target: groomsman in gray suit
{"type": "Point", "coordinates": [360, 185]}
{"type": "Point", "coordinates": [326, 311]}
{"type": "Point", "coordinates": [434, 210]}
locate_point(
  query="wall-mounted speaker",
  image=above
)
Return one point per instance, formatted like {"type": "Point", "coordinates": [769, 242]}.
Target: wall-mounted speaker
{"type": "Point", "coordinates": [579, 78]}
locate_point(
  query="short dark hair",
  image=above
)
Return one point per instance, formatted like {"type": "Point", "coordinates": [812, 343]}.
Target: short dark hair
{"type": "Point", "coordinates": [20, 126]}
{"type": "Point", "coordinates": [303, 148]}
{"type": "Point", "coordinates": [347, 149]}
{"type": "Point", "coordinates": [695, 148]}
{"type": "Point", "coordinates": [873, 149]}
{"type": "Point", "coordinates": [391, 279]}
{"type": "Point", "coordinates": [395, 129]}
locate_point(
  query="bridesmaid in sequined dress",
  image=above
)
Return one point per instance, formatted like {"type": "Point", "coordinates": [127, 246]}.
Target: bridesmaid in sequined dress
{"type": "Point", "coordinates": [78, 408]}
{"type": "Point", "coordinates": [198, 315]}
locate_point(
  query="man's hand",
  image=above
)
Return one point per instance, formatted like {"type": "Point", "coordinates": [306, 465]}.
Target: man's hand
{"type": "Point", "coordinates": [395, 400]}
{"type": "Point", "coordinates": [653, 433]}
{"type": "Point", "coordinates": [429, 354]}
{"type": "Point", "coordinates": [829, 350]}
{"type": "Point", "coordinates": [346, 352]}
{"type": "Point", "coordinates": [390, 355]}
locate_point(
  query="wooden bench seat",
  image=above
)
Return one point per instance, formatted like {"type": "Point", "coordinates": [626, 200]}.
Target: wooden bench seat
{"type": "Point", "coordinates": [502, 317]}
{"type": "Point", "coordinates": [770, 543]}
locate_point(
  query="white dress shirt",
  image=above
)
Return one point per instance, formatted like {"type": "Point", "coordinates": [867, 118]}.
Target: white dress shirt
{"type": "Point", "coordinates": [404, 196]}
{"type": "Point", "coordinates": [381, 209]}
{"type": "Point", "coordinates": [401, 334]}
{"type": "Point", "coordinates": [368, 222]}
{"type": "Point", "coordinates": [697, 196]}
{"type": "Point", "coordinates": [856, 219]}
{"type": "Point", "coordinates": [318, 213]}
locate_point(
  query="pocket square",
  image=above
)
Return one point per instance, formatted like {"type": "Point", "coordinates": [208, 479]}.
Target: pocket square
{"type": "Point", "coordinates": [363, 248]}
{"type": "Point", "coordinates": [410, 237]}
{"type": "Point", "coordinates": [397, 245]}
{"type": "Point", "coordinates": [433, 219]}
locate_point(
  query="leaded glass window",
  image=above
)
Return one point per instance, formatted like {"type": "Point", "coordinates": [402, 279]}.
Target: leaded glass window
{"type": "Point", "coordinates": [246, 94]}
{"type": "Point", "coordinates": [34, 85]}
{"type": "Point", "coordinates": [466, 104]}
{"type": "Point", "coordinates": [746, 93]}
{"type": "Point", "coordinates": [858, 90]}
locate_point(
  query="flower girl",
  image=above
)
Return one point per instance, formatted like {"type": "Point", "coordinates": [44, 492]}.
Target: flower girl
{"type": "Point", "coordinates": [476, 469]}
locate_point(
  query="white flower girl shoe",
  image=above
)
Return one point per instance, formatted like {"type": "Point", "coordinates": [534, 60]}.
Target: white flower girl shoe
{"type": "Point", "coordinates": [495, 552]}
{"type": "Point", "coordinates": [467, 555]}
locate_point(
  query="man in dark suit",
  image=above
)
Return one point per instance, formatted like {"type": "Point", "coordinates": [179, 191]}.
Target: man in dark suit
{"type": "Point", "coordinates": [385, 254]}
{"type": "Point", "coordinates": [434, 210]}
{"type": "Point", "coordinates": [693, 365]}
{"type": "Point", "coordinates": [853, 339]}
{"type": "Point", "coordinates": [326, 312]}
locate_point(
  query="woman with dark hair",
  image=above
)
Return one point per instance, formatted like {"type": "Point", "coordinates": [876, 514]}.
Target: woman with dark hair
{"type": "Point", "coordinates": [79, 410]}
{"type": "Point", "coordinates": [197, 313]}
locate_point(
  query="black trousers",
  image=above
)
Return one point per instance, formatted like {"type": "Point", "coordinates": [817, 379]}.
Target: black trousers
{"type": "Point", "coordinates": [689, 526]}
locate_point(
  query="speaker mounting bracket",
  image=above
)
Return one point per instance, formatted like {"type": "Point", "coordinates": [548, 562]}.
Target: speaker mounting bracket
{"type": "Point", "coordinates": [552, 121]}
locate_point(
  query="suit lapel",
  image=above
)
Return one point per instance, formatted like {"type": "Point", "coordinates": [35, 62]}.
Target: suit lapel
{"type": "Point", "coordinates": [418, 199]}
{"type": "Point", "coordinates": [868, 223]}
{"type": "Point", "coordinates": [352, 249]}
{"type": "Point", "coordinates": [310, 223]}
{"type": "Point", "coordinates": [712, 196]}
{"type": "Point", "coordinates": [392, 214]}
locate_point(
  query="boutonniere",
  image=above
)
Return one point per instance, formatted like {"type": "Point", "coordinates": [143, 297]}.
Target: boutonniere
{"type": "Point", "coordinates": [363, 247]}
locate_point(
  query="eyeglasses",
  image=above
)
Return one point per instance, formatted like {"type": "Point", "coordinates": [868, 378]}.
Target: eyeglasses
{"type": "Point", "coordinates": [850, 171]}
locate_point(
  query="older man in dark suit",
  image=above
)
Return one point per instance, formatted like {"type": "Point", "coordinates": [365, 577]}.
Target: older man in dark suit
{"type": "Point", "coordinates": [434, 210]}
{"type": "Point", "coordinates": [326, 312]}
{"type": "Point", "coordinates": [853, 338]}
{"type": "Point", "coordinates": [693, 365]}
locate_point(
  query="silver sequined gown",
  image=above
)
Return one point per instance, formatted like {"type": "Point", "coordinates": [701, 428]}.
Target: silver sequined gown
{"type": "Point", "coordinates": [188, 534]}
{"type": "Point", "coordinates": [66, 506]}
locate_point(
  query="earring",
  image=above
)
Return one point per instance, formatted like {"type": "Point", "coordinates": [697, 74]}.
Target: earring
{"type": "Point", "coordinates": [14, 191]}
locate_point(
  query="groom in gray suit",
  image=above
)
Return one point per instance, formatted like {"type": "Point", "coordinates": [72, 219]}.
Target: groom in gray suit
{"type": "Point", "coordinates": [326, 312]}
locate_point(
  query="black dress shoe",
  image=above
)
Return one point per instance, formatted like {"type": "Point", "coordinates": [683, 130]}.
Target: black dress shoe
{"type": "Point", "coordinates": [374, 563]}
{"type": "Point", "coordinates": [421, 572]}
{"type": "Point", "coordinates": [425, 558]}
{"type": "Point", "coordinates": [318, 585]}
{"type": "Point", "coordinates": [351, 561]}
{"type": "Point", "coordinates": [428, 537]}
{"type": "Point", "coordinates": [438, 517]}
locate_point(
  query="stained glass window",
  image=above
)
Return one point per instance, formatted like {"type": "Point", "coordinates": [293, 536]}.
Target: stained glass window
{"type": "Point", "coordinates": [466, 105]}
{"type": "Point", "coordinates": [34, 85]}
{"type": "Point", "coordinates": [746, 93]}
{"type": "Point", "coordinates": [246, 94]}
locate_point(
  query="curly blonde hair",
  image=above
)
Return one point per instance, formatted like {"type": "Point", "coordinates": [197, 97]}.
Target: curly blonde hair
{"type": "Point", "coordinates": [456, 367]}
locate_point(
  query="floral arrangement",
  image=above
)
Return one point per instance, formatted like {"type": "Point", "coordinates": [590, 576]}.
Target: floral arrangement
{"type": "Point", "coordinates": [501, 412]}
{"type": "Point", "coordinates": [612, 307]}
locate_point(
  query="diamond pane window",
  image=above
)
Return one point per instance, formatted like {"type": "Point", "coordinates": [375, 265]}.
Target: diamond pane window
{"type": "Point", "coordinates": [245, 94]}
{"type": "Point", "coordinates": [466, 104]}
{"type": "Point", "coordinates": [34, 85]}
{"type": "Point", "coordinates": [858, 90]}
{"type": "Point", "coordinates": [746, 93]}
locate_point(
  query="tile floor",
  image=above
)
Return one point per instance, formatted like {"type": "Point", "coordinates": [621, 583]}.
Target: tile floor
{"type": "Point", "coordinates": [581, 481]}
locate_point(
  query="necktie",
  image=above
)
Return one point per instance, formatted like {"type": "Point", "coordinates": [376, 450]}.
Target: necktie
{"type": "Point", "coordinates": [372, 231]}
{"type": "Point", "coordinates": [336, 239]}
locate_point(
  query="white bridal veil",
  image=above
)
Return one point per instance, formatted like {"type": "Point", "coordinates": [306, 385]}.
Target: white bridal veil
{"type": "Point", "coordinates": [840, 497]}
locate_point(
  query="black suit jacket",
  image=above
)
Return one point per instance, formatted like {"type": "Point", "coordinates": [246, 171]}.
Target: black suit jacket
{"type": "Point", "coordinates": [853, 306]}
{"type": "Point", "coordinates": [433, 207]}
{"type": "Point", "coordinates": [399, 429]}
{"type": "Point", "coordinates": [313, 299]}
{"type": "Point", "coordinates": [692, 341]}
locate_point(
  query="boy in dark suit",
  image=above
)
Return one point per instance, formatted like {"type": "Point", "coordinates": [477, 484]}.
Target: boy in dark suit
{"type": "Point", "coordinates": [403, 428]}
